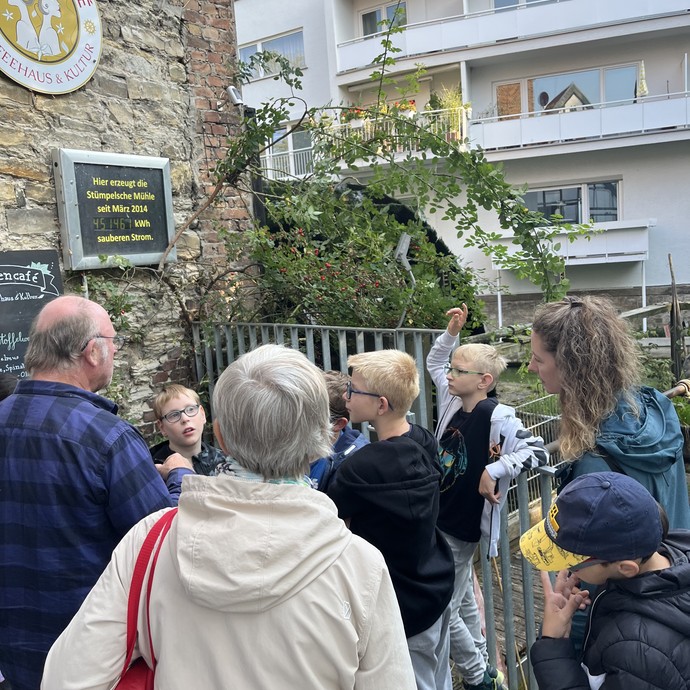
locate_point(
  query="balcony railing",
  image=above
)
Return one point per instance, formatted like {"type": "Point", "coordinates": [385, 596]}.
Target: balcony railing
{"type": "Point", "coordinates": [287, 164]}
{"type": "Point", "coordinates": [617, 241]}
{"type": "Point", "coordinates": [651, 114]}
{"type": "Point", "coordinates": [593, 121]}
{"type": "Point", "coordinates": [449, 125]}
{"type": "Point", "coordinates": [546, 18]}
{"type": "Point", "coordinates": [398, 134]}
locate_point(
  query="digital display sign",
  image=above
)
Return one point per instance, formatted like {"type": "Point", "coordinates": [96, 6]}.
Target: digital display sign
{"type": "Point", "coordinates": [113, 205]}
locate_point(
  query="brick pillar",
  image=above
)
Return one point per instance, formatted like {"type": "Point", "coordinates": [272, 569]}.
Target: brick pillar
{"type": "Point", "coordinates": [210, 49]}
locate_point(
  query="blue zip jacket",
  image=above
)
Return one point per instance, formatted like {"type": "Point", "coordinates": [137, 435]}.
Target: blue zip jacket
{"type": "Point", "coordinates": [321, 471]}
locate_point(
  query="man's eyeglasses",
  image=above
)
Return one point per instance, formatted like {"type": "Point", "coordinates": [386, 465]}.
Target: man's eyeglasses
{"type": "Point", "coordinates": [350, 390]}
{"type": "Point", "coordinates": [174, 416]}
{"type": "Point", "coordinates": [118, 340]}
{"type": "Point", "coordinates": [455, 372]}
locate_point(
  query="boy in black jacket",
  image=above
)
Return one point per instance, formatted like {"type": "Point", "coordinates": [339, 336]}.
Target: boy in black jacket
{"type": "Point", "coordinates": [389, 493]}
{"type": "Point", "coordinates": [607, 529]}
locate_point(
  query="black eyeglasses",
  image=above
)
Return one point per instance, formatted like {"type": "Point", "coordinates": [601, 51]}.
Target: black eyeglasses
{"type": "Point", "coordinates": [174, 416]}
{"type": "Point", "coordinates": [118, 340]}
{"type": "Point", "coordinates": [455, 372]}
{"type": "Point", "coordinates": [350, 390]}
{"type": "Point", "coordinates": [586, 564]}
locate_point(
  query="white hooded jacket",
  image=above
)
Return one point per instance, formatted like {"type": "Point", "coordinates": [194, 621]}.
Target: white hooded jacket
{"type": "Point", "coordinates": [257, 586]}
{"type": "Point", "coordinates": [520, 450]}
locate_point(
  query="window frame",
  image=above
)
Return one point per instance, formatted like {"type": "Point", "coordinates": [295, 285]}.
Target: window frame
{"type": "Point", "coordinates": [585, 207]}
{"type": "Point", "coordinates": [262, 73]}
{"type": "Point", "coordinates": [382, 9]}
{"type": "Point", "coordinates": [284, 159]}
{"type": "Point", "coordinates": [524, 84]}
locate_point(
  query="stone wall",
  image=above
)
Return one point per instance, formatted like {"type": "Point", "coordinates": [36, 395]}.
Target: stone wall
{"type": "Point", "coordinates": [163, 70]}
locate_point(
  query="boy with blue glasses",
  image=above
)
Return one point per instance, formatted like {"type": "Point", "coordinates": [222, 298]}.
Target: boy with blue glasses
{"type": "Point", "coordinates": [346, 440]}
{"type": "Point", "coordinates": [388, 491]}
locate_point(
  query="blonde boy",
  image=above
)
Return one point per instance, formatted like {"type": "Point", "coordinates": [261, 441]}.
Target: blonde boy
{"type": "Point", "coordinates": [482, 446]}
{"type": "Point", "coordinates": [180, 417]}
{"type": "Point", "coordinates": [389, 492]}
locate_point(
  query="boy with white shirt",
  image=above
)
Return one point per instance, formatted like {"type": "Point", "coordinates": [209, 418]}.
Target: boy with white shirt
{"type": "Point", "coordinates": [483, 445]}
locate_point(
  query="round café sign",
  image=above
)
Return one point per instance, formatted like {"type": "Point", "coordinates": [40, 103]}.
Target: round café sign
{"type": "Point", "coordinates": [50, 46]}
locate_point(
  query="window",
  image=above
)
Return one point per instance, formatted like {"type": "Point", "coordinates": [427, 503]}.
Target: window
{"type": "Point", "coordinates": [509, 99]}
{"type": "Point", "coordinates": [572, 89]}
{"type": "Point", "coordinates": [593, 201]}
{"type": "Point", "coordinates": [289, 156]}
{"type": "Point", "coordinates": [371, 19]}
{"type": "Point", "coordinates": [568, 90]}
{"type": "Point", "coordinates": [290, 46]}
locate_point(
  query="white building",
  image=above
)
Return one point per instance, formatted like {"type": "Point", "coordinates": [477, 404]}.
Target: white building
{"type": "Point", "coordinates": [584, 101]}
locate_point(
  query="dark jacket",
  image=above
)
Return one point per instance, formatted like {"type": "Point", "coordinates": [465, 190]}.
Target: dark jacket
{"type": "Point", "coordinates": [74, 479]}
{"type": "Point", "coordinates": [321, 471]}
{"type": "Point", "coordinates": [638, 633]}
{"type": "Point", "coordinates": [390, 492]}
{"type": "Point", "coordinates": [204, 463]}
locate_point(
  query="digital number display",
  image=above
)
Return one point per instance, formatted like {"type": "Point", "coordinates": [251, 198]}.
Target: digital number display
{"type": "Point", "coordinates": [100, 223]}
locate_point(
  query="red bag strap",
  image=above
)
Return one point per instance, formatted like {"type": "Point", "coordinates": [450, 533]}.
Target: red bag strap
{"type": "Point", "coordinates": [160, 529]}
{"type": "Point", "coordinates": [159, 545]}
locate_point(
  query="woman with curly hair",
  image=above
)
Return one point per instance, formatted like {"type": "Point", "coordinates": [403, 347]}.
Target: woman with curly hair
{"type": "Point", "coordinates": [583, 351]}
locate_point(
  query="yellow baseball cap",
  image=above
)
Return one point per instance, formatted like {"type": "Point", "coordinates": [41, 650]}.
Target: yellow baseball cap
{"type": "Point", "coordinates": [598, 518]}
{"type": "Point", "coordinates": [542, 551]}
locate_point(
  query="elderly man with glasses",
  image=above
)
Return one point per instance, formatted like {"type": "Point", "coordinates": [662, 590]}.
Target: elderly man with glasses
{"type": "Point", "coordinates": [74, 478]}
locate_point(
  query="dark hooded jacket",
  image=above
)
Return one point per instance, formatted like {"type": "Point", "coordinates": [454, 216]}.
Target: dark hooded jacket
{"type": "Point", "coordinates": [204, 463]}
{"type": "Point", "coordinates": [638, 637]}
{"type": "Point", "coordinates": [390, 490]}
{"type": "Point", "coordinates": [648, 448]}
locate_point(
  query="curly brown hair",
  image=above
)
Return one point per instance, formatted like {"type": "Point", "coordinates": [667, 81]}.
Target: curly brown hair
{"type": "Point", "coordinates": [598, 361]}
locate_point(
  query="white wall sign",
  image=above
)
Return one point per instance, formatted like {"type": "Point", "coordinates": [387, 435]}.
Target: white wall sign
{"type": "Point", "coordinates": [50, 46]}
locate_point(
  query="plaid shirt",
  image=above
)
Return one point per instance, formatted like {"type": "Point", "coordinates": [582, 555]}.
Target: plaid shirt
{"type": "Point", "coordinates": [74, 478]}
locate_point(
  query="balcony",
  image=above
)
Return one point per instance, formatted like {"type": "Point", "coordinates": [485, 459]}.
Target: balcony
{"type": "Point", "coordinates": [287, 165]}
{"type": "Point", "coordinates": [536, 19]}
{"type": "Point", "coordinates": [614, 242]}
{"type": "Point", "coordinates": [651, 114]}
{"type": "Point", "coordinates": [449, 125]}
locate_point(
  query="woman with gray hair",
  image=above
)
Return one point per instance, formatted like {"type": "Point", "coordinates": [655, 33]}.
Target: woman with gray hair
{"type": "Point", "coordinates": [259, 584]}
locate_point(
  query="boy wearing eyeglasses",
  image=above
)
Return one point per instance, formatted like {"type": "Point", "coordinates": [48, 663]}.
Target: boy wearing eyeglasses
{"type": "Point", "coordinates": [389, 492]}
{"type": "Point", "coordinates": [482, 446]}
{"type": "Point", "coordinates": [180, 417]}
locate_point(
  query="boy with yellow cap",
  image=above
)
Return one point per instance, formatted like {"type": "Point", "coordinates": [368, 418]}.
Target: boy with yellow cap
{"type": "Point", "coordinates": [608, 530]}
